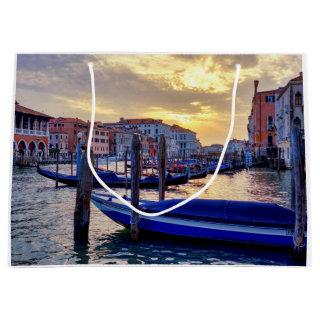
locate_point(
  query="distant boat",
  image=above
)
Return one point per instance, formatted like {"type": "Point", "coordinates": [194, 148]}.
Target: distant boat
{"type": "Point", "coordinates": [223, 167]}
{"type": "Point", "coordinates": [198, 174]}
{"type": "Point", "coordinates": [113, 180]}
{"type": "Point", "coordinates": [234, 221]}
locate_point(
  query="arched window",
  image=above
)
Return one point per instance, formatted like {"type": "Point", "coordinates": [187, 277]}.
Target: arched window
{"type": "Point", "coordinates": [270, 123]}
{"type": "Point", "coordinates": [298, 99]}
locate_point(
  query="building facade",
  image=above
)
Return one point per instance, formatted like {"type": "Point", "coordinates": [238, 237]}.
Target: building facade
{"type": "Point", "coordinates": [289, 107]}
{"type": "Point", "coordinates": [71, 127]}
{"type": "Point", "coordinates": [31, 132]}
{"type": "Point", "coordinates": [179, 141]}
{"type": "Point", "coordinates": [236, 149]}
{"type": "Point", "coordinates": [185, 140]}
{"type": "Point", "coordinates": [100, 140]}
{"type": "Point", "coordinates": [59, 140]}
{"type": "Point", "coordinates": [261, 126]}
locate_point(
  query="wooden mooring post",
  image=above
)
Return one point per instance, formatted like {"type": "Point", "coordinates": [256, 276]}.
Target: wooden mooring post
{"type": "Point", "coordinates": [82, 207]}
{"type": "Point", "coordinates": [116, 163]}
{"type": "Point", "coordinates": [108, 162]}
{"type": "Point", "coordinates": [97, 161]}
{"type": "Point", "coordinates": [126, 167]}
{"type": "Point", "coordinates": [57, 167]}
{"type": "Point", "coordinates": [162, 165]}
{"type": "Point", "coordinates": [298, 183]}
{"type": "Point", "coordinates": [71, 162]}
{"type": "Point", "coordinates": [135, 182]}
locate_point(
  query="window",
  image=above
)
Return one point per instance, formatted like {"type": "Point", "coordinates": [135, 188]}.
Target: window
{"type": "Point", "coordinates": [270, 99]}
{"type": "Point", "coordinates": [270, 123]}
{"type": "Point", "coordinates": [56, 136]}
{"type": "Point", "coordinates": [297, 121]}
{"type": "Point", "coordinates": [298, 99]}
{"type": "Point", "coordinates": [96, 140]}
{"type": "Point", "coordinates": [97, 133]}
{"type": "Point", "coordinates": [270, 140]}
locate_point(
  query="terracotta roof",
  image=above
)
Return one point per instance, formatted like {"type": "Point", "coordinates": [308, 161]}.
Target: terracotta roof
{"type": "Point", "coordinates": [284, 89]}
{"type": "Point", "coordinates": [25, 110]}
{"type": "Point", "coordinates": [177, 128]}
{"type": "Point", "coordinates": [67, 120]}
{"type": "Point", "coordinates": [139, 121]}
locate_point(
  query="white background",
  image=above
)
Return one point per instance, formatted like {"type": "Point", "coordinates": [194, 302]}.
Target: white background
{"type": "Point", "coordinates": [162, 26]}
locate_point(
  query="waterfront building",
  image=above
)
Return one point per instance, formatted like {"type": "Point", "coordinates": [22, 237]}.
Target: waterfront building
{"type": "Point", "coordinates": [213, 151]}
{"type": "Point", "coordinates": [199, 146]}
{"type": "Point", "coordinates": [261, 127]}
{"type": "Point", "coordinates": [185, 140]}
{"type": "Point", "coordinates": [58, 139]}
{"type": "Point", "coordinates": [289, 106]}
{"type": "Point", "coordinates": [71, 127]}
{"type": "Point", "coordinates": [31, 132]}
{"type": "Point", "coordinates": [179, 141]}
{"type": "Point", "coordinates": [146, 126]}
{"type": "Point", "coordinates": [100, 140]}
{"type": "Point", "coordinates": [236, 148]}
{"type": "Point", "coordinates": [152, 147]}
{"type": "Point", "coordinates": [122, 142]}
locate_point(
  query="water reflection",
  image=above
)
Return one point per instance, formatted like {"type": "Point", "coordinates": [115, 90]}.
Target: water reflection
{"type": "Point", "coordinates": [42, 224]}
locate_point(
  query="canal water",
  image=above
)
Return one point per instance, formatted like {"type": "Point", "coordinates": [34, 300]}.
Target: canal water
{"type": "Point", "coordinates": [42, 224]}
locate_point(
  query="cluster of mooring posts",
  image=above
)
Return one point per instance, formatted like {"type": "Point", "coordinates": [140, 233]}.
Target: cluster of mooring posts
{"type": "Point", "coordinates": [85, 185]}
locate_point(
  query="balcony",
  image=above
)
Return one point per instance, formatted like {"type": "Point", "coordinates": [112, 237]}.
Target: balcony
{"type": "Point", "coordinates": [30, 132]}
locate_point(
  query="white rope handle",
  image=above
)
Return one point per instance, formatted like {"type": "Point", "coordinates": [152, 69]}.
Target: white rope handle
{"type": "Point", "coordinates": [195, 195]}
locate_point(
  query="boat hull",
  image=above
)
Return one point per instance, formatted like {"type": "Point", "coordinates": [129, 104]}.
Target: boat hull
{"type": "Point", "coordinates": [198, 229]}
{"type": "Point", "coordinates": [119, 182]}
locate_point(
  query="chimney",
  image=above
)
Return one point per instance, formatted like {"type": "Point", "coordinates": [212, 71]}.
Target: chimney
{"type": "Point", "coordinates": [256, 83]}
{"type": "Point", "coordinates": [121, 119]}
{"type": "Point", "coordinates": [300, 74]}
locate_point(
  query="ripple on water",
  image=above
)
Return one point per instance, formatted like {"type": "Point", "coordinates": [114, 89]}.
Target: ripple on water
{"type": "Point", "coordinates": [42, 224]}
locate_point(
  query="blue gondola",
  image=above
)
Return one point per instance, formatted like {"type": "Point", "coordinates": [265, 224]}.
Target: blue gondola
{"type": "Point", "coordinates": [235, 221]}
{"type": "Point", "coordinates": [115, 181]}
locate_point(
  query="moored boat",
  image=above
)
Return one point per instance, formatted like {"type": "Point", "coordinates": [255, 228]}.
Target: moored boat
{"type": "Point", "coordinates": [223, 220]}
{"type": "Point", "coordinates": [198, 174]}
{"type": "Point", "coordinates": [113, 180]}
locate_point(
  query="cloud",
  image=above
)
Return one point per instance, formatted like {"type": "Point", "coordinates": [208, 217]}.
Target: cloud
{"type": "Point", "coordinates": [190, 90]}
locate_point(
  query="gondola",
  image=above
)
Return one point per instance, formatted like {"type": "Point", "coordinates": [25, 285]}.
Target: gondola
{"type": "Point", "coordinates": [197, 175]}
{"type": "Point", "coordinates": [224, 167]}
{"type": "Point", "coordinates": [113, 180]}
{"type": "Point", "coordinates": [248, 222]}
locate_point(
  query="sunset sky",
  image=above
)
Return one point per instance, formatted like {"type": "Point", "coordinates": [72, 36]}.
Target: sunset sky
{"type": "Point", "coordinates": [193, 91]}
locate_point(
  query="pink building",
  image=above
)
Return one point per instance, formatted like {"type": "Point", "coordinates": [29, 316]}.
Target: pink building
{"type": "Point", "coordinates": [69, 126]}
{"type": "Point", "coordinates": [261, 127]}
{"type": "Point", "coordinates": [100, 140]}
